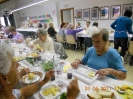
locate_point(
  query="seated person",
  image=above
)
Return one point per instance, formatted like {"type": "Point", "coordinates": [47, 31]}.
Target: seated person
{"type": "Point", "coordinates": [44, 41]}
{"type": "Point", "coordinates": [17, 37]}
{"type": "Point", "coordinates": [63, 30]}
{"type": "Point", "coordinates": [105, 59]}
{"type": "Point", "coordinates": [87, 26]}
{"type": "Point", "coordinates": [45, 26]}
{"type": "Point", "coordinates": [39, 25]}
{"type": "Point", "coordinates": [51, 30]}
{"type": "Point", "coordinates": [9, 78]}
{"type": "Point", "coordinates": [7, 33]}
{"type": "Point", "coordinates": [78, 26]}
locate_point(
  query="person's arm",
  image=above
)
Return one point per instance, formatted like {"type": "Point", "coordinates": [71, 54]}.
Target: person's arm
{"type": "Point", "coordinates": [130, 31]}
{"type": "Point", "coordinates": [113, 24]}
{"type": "Point", "coordinates": [31, 89]}
{"type": "Point", "coordinates": [77, 30]}
{"type": "Point", "coordinates": [51, 46]}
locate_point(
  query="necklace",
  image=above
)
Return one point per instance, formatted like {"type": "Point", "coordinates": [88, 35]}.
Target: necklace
{"type": "Point", "coordinates": [102, 51]}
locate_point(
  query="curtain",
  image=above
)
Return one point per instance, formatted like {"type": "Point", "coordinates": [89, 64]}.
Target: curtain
{"type": "Point", "coordinates": [11, 20]}
{"type": "Point", "coordinates": [5, 19]}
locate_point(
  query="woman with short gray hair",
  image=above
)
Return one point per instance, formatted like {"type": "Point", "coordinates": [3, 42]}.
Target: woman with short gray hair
{"type": "Point", "coordinates": [44, 41]}
{"type": "Point", "coordinates": [103, 58]}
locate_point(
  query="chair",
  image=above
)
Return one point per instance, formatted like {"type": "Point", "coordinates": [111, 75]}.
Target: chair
{"type": "Point", "coordinates": [130, 48]}
{"type": "Point", "coordinates": [27, 41]}
{"type": "Point", "coordinates": [87, 42]}
{"type": "Point", "coordinates": [59, 38]}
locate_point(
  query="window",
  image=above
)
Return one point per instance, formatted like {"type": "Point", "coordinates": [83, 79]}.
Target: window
{"type": "Point", "coordinates": [3, 22]}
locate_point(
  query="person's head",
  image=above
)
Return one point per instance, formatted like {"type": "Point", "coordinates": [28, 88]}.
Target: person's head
{"type": "Point", "coordinates": [78, 23]}
{"type": "Point", "coordinates": [7, 30]}
{"type": "Point", "coordinates": [88, 23]}
{"type": "Point", "coordinates": [70, 26]}
{"type": "Point", "coordinates": [128, 13]}
{"type": "Point", "coordinates": [8, 70]}
{"type": "Point", "coordinates": [45, 25]}
{"type": "Point", "coordinates": [95, 24]}
{"type": "Point", "coordinates": [67, 23]}
{"type": "Point", "coordinates": [12, 30]}
{"type": "Point", "coordinates": [38, 23]}
{"type": "Point", "coordinates": [51, 25]}
{"type": "Point", "coordinates": [63, 25]}
{"type": "Point", "coordinates": [42, 34]}
{"type": "Point", "coordinates": [100, 38]}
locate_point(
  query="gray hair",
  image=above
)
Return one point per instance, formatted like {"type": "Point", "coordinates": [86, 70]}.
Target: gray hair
{"type": "Point", "coordinates": [70, 25]}
{"type": "Point", "coordinates": [104, 32]}
{"type": "Point", "coordinates": [79, 23]}
{"type": "Point", "coordinates": [44, 24]}
{"type": "Point", "coordinates": [42, 31]}
{"type": "Point", "coordinates": [5, 59]}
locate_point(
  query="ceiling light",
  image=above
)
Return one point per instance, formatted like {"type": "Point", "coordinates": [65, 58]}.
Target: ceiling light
{"type": "Point", "coordinates": [28, 6]}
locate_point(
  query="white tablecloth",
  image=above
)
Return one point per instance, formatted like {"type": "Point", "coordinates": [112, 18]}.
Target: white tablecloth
{"type": "Point", "coordinates": [27, 29]}
{"type": "Point", "coordinates": [111, 35]}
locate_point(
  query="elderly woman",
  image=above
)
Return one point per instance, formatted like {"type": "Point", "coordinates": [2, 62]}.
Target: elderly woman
{"type": "Point", "coordinates": [105, 59]}
{"type": "Point", "coordinates": [17, 37]}
{"type": "Point", "coordinates": [51, 30]}
{"type": "Point", "coordinates": [44, 41]}
{"type": "Point", "coordinates": [9, 78]}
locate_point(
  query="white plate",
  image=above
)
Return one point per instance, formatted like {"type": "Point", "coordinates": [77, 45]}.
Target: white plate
{"type": "Point", "coordinates": [37, 77]}
{"type": "Point", "coordinates": [50, 96]}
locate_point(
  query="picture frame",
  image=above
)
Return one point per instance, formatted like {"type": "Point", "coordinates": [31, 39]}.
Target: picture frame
{"type": "Point", "coordinates": [79, 15]}
{"type": "Point", "coordinates": [127, 6]}
{"type": "Point", "coordinates": [104, 13]}
{"type": "Point", "coordinates": [86, 14]}
{"type": "Point", "coordinates": [94, 13]}
{"type": "Point", "coordinates": [115, 12]}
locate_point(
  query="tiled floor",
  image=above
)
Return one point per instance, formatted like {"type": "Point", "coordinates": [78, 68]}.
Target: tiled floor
{"type": "Point", "coordinates": [80, 54]}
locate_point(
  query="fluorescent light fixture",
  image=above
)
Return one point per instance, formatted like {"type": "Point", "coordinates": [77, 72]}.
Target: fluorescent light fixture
{"type": "Point", "coordinates": [29, 5]}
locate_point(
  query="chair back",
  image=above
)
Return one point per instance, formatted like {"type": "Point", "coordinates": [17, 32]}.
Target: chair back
{"type": "Point", "coordinates": [70, 39]}
{"type": "Point", "coordinates": [27, 41]}
{"type": "Point", "coordinates": [59, 38]}
{"type": "Point", "coordinates": [130, 47]}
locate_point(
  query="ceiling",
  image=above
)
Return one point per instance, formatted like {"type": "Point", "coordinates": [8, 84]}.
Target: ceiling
{"type": "Point", "coordinates": [2, 1]}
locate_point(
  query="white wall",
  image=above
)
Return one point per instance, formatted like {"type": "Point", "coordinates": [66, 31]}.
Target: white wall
{"type": "Point", "coordinates": [67, 16]}
{"type": "Point", "coordinates": [83, 4]}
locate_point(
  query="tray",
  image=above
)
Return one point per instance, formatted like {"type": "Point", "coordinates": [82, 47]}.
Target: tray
{"type": "Point", "coordinates": [50, 96]}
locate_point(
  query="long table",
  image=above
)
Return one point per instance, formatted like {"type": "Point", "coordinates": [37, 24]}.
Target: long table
{"type": "Point", "coordinates": [100, 81]}
{"type": "Point", "coordinates": [111, 35]}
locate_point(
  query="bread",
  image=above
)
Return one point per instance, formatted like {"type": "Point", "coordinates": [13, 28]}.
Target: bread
{"type": "Point", "coordinates": [106, 94]}
{"type": "Point", "coordinates": [94, 95]}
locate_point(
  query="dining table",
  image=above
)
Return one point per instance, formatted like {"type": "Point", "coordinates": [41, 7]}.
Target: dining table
{"type": "Point", "coordinates": [84, 86]}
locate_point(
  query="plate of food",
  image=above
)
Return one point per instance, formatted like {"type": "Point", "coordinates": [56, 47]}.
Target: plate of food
{"type": "Point", "coordinates": [19, 58]}
{"type": "Point", "coordinates": [32, 77]}
{"type": "Point", "coordinates": [50, 92]}
{"type": "Point", "coordinates": [32, 55]}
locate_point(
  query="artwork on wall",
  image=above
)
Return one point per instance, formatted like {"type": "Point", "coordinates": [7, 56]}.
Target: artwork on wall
{"type": "Point", "coordinates": [115, 11]}
{"type": "Point", "coordinates": [94, 13]}
{"type": "Point", "coordinates": [86, 14]}
{"type": "Point", "coordinates": [128, 6]}
{"type": "Point", "coordinates": [79, 15]}
{"type": "Point", "coordinates": [104, 13]}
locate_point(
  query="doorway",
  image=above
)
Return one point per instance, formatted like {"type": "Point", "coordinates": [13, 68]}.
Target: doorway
{"type": "Point", "coordinates": [67, 15]}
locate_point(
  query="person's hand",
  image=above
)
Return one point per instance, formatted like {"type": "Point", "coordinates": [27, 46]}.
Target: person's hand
{"type": "Point", "coordinates": [76, 63]}
{"type": "Point", "coordinates": [73, 89]}
{"type": "Point", "coordinates": [84, 28]}
{"type": "Point", "coordinates": [24, 72]}
{"type": "Point", "coordinates": [103, 72]}
{"type": "Point", "coordinates": [48, 76]}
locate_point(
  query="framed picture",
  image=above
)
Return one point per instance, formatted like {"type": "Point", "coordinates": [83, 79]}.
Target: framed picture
{"type": "Point", "coordinates": [115, 12]}
{"type": "Point", "coordinates": [104, 13]}
{"type": "Point", "coordinates": [94, 13]}
{"type": "Point", "coordinates": [128, 6]}
{"type": "Point", "coordinates": [86, 14]}
{"type": "Point", "coordinates": [79, 15]}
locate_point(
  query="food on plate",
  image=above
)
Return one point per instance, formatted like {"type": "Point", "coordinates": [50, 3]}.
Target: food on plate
{"type": "Point", "coordinates": [101, 95]}
{"type": "Point", "coordinates": [61, 86]}
{"type": "Point", "coordinates": [34, 54]}
{"type": "Point", "coordinates": [51, 90]}
{"type": "Point", "coordinates": [31, 61]}
{"type": "Point", "coordinates": [39, 48]}
{"type": "Point", "coordinates": [30, 76]}
{"type": "Point", "coordinates": [66, 67]}
{"type": "Point", "coordinates": [130, 96]}
{"type": "Point", "coordinates": [18, 58]}
{"type": "Point", "coordinates": [131, 87]}
{"type": "Point", "coordinates": [91, 74]}
{"type": "Point", "coordinates": [63, 96]}
{"type": "Point", "coordinates": [47, 65]}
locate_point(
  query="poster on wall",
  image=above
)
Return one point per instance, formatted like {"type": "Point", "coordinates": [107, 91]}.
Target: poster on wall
{"type": "Point", "coordinates": [128, 6]}
{"type": "Point", "coordinates": [115, 11]}
{"type": "Point", "coordinates": [79, 15]}
{"type": "Point", "coordinates": [104, 13]}
{"type": "Point", "coordinates": [86, 14]}
{"type": "Point", "coordinates": [94, 13]}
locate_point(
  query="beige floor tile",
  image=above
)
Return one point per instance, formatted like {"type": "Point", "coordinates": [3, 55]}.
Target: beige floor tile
{"type": "Point", "coordinates": [129, 76]}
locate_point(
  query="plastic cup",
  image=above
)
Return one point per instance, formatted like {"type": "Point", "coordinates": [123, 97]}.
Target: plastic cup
{"type": "Point", "coordinates": [69, 75]}
{"type": "Point", "coordinates": [53, 78]}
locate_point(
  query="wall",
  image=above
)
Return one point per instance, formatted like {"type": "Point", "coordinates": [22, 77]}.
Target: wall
{"type": "Point", "coordinates": [67, 16]}
{"type": "Point", "coordinates": [83, 4]}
